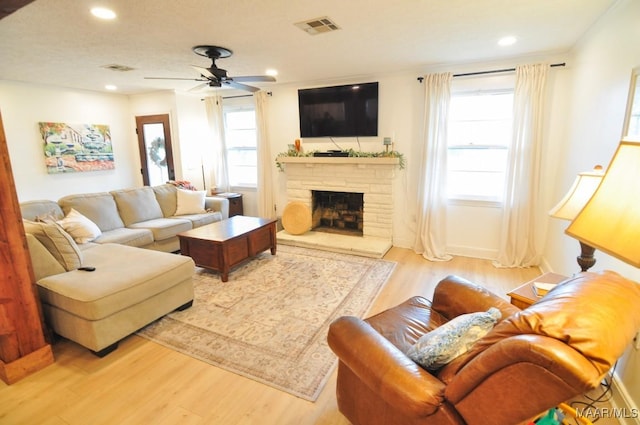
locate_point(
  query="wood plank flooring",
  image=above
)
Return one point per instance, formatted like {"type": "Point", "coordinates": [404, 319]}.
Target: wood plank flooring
{"type": "Point", "coordinates": [145, 383]}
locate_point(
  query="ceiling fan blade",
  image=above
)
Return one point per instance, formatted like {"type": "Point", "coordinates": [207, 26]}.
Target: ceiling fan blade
{"type": "Point", "coordinates": [256, 78]}
{"type": "Point", "coordinates": [239, 86]}
{"type": "Point", "coordinates": [174, 78]}
{"type": "Point", "coordinates": [198, 87]}
{"type": "Point", "coordinates": [204, 72]}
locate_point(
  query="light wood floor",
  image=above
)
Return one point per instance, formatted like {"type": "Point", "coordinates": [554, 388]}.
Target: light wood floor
{"type": "Point", "coordinates": [145, 383]}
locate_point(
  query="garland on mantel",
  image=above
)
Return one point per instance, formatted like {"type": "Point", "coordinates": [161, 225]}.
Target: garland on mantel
{"type": "Point", "coordinates": [352, 154]}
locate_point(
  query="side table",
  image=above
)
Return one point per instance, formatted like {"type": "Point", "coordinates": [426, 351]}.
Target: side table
{"type": "Point", "coordinates": [235, 202]}
{"type": "Point", "coordinates": [524, 295]}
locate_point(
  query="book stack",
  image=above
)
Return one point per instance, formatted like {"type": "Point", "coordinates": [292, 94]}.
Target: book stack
{"type": "Point", "coordinates": [541, 288]}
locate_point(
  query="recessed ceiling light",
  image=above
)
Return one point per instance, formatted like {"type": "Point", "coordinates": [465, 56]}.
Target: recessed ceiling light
{"type": "Point", "coordinates": [111, 87]}
{"type": "Point", "coordinates": [507, 41]}
{"type": "Point", "coordinates": [271, 72]}
{"type": "Point", "coordinates": [103, 13]}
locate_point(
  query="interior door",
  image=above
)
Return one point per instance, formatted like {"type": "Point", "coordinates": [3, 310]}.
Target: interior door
{"type": "Point", "coordinates": [154, 141]}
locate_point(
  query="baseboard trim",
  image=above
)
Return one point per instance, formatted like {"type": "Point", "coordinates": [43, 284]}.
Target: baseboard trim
{"type": "Point", "coordinates": [470, 251]}
{"type": "Point", "coordinates": [622, 400]}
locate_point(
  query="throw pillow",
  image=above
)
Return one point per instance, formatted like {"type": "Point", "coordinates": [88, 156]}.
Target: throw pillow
{"type": "Point", "coordinates": [57, 242]}
{"type": "Point", "coordinates": [440, 346]}
{"type": "Point", "coordinates": [81, 229]}
{"type": "Point", "coordinates": [190, 201]}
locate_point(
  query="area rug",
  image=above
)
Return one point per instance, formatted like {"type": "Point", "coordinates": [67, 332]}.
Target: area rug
{"type": "Point", "coordinates": [269, 322]}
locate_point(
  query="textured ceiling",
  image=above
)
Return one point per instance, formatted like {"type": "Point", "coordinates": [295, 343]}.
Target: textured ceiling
{"type": "Point", "coordinates": [58, 42]}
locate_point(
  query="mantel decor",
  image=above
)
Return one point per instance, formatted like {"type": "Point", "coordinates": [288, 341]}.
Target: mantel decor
{"type": "Point", "coordinates": [293, 153]}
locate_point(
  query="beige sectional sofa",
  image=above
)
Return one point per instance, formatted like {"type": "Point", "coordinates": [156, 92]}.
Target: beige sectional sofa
{"type": "Point", "coordinates": [126, 287]}
{"type": "Point", "coordinates": [142, 217]}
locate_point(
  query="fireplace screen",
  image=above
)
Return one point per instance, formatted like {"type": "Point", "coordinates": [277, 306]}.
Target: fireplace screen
{"type": "Point", "coordinates": [340, 212]}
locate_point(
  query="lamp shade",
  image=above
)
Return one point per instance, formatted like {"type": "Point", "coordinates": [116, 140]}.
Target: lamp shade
{"type": "Point", "coordinates": [610, 221]}
{"type": "Point", "coordinates": [580, 192]}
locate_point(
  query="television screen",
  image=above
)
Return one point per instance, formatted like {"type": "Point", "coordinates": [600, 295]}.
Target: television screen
{"type": "Point", "coordinates": [339, 111]}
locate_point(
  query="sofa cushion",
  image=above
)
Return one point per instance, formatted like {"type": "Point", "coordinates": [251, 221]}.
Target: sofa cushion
{"type": "Point", "coordinates": [58, 242]}
{"type": "Point", "coordinates": [190, 201]}
{"type": "Point", "coordinates": [124, 276]}
{"type": "Point", "coordinates": [166, 197]}
{"type": "Point", "coordinates": [164, 228]}
{"type": "Point", "coordinates": [98, 207]}
{"type": "Point", "coordinates": [37, 210]}
{"type": "Point", "coordinates": [125, 236]}
{"type": "Point", "coordinates": [137, 205]}
{"type": "Point", "coordinates": [202, 219]}
{"type": "Point", "coordinates": [81, 229]}
{"type": "Point", "coordinates": [449, 341]}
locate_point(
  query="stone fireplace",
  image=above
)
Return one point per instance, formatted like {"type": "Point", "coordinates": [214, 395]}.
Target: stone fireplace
{"type": "Point", "coordinates": [370, 177]}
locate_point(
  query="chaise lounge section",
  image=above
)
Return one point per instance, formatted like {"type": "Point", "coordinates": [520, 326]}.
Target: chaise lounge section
{"type": "Point", "coordinates": [96, 292]}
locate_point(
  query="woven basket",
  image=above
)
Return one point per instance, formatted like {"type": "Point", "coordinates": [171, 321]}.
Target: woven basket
{"type": "Point", "coordinates": [296, 218]}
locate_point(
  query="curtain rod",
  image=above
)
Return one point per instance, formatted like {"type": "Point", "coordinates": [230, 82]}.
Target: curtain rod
{"type": "Point", "coordinates": [494, 71]}
{"type": "Point", "coordinates": [242, 95]}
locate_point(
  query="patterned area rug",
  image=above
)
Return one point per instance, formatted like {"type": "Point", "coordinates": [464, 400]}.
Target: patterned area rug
{"type": "Point", "coordinates": [269, 322]}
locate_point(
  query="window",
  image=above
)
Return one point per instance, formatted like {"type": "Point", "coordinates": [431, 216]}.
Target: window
{"type": "Point", "coordinates": [479, 136]}
{"type": "Point", "coordinates": [240, 137]}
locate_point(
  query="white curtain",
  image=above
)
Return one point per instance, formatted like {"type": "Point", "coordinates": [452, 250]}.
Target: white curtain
{"type": "Point", "coordinates": [432, 198]}
{"type": "Point", "coordinates": [215, 155]}
{"type": "Point", "coordinates": [519, 246]}
{"type": "Point", "coordinates": [266, 204]}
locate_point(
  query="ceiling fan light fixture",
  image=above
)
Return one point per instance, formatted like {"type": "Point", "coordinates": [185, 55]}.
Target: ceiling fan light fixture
{"type": "Point", "coordinates": [218, 77]}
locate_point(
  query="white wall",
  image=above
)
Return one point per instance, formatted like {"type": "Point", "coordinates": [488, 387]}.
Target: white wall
{"type": "Point", "coordinates": [24, 105]}
{"type": "Point", "coordinates": [600, 76]}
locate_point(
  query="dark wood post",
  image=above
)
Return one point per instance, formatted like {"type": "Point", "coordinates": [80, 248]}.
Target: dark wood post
{"type": "Point", "coordinates": [23, 348]}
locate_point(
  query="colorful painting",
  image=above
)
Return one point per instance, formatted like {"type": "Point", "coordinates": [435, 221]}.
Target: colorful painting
{"type": "Point", "coordinates": [70, 148]}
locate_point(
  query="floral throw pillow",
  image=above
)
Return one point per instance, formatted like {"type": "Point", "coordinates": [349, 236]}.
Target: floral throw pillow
{"type": "Point", "coordinates": [440, 346]}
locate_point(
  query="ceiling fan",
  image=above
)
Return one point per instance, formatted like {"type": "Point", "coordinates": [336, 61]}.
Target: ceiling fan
{"type": "Point", "coordinates": [217, 77]}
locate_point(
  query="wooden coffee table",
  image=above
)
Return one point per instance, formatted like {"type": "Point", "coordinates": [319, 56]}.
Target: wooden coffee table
{"type": "Point", "coordinates": [222, 245]}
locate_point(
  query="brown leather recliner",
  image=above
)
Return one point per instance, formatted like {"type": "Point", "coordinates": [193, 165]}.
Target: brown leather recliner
{"type": "Point", "coordinates": [560, 347]}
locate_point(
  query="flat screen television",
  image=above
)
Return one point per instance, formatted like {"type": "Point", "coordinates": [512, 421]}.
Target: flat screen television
{"type": "Point", "coordinates": [339, 111]}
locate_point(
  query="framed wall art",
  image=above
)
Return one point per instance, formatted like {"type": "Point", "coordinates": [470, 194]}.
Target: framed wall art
{"type": "Point", "coordinates": [70, 148]}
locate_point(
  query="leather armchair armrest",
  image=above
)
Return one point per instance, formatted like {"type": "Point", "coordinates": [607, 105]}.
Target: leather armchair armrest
{"type": "Point", "coordinates": [216, 203]}
{"type": "Point", "coordinates": [386, 370]}
{"type": "Point", "coordinates": [454, 296]}
{"type": "Point", "coordinates": [516, 355]}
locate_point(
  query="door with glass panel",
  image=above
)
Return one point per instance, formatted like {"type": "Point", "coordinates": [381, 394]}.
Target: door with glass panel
{"type": "Point", "coordinates": [154, 141]}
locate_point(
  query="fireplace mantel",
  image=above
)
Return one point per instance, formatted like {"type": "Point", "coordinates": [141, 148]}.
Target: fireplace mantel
{"type": "Point", "coordinates": [338, 160]}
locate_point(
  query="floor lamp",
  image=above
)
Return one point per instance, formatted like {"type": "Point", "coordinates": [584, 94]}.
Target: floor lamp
{"type": "Point", "coordinates": [610, 220]}
{"type": "Point", "coordinates": [576, 198]}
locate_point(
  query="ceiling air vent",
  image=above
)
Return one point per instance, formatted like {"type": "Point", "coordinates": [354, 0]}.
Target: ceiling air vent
{"type": "Point", "coordinates": [120, 68]}
{"type": "Point", "coordinates": [317, 26]}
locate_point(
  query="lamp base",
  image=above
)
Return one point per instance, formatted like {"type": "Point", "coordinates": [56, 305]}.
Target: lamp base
{"type": "Point", "coordinates": [586, 259]}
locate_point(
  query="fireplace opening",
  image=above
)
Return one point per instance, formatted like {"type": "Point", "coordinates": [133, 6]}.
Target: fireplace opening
{"type": "Point", "coordinates": [337, 212]}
